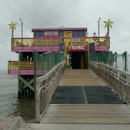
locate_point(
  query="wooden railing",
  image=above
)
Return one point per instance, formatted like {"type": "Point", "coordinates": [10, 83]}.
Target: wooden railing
{"type": "Point", "coordinates": [45, 88]}
{"type": "Point", "coordinates": [42, 42]}
{"type": "Point", "coordinates": [35, 42]}
{"type": "Point", "coordinates": [20, 65]}
{"type": "Point", "coordinates": [117, 79]}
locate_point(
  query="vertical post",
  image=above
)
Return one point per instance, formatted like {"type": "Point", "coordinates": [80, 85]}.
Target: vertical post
{"type": "Point", "coordinates": [35, 93]}
{"type": "Point", "coordinates": [88, 50]}
{"type": "Point", "coordinates": [99, 29]}
{"type": "Point", "coordinates": [34, 60]}
{"type": "Point", "coordinates": [21, 31]}
{"type": "Point", "coordinates": [19, 88]}
{"type": "Point", "coordinates": [65, 52]}
{"type": "Point", "coordinates": [12, 43]}
{"type": "Point", "coordinates": [8, 66]}
{"type": "Point", "coordinates": [37, 103]}
{"type": "Point", "coordinates": [51, 42]}
{"type": "Point", "coordinates": [126, 61]}
{"type": "Point", "coordinates": [60, 34]}
{"type": "Point", "coordinates": [41, 43]}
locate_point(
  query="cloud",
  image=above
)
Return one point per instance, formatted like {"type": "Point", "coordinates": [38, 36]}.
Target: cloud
{"type": "Point", "coordinates": [70, 13]}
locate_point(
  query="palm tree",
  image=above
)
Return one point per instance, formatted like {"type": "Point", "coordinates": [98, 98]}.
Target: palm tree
{"type": "Point", "coordinates": [12, 26]}
{"type": "Point", "coordinates": [107, 25]}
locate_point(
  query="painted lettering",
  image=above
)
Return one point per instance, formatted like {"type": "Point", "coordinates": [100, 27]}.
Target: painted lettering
{"type": "Point", "coordinates": [82, 47]}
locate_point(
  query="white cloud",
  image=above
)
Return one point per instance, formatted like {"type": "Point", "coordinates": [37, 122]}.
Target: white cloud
{"type": "Point", "coordinates": [70, 13]}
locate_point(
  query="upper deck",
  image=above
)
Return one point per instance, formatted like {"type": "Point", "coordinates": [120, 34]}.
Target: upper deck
{"type": "Point", "coordinates": [52, 44]}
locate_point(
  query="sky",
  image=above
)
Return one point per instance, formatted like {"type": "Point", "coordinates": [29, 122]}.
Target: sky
{"type": "Point", "coordinates": [67, 13]}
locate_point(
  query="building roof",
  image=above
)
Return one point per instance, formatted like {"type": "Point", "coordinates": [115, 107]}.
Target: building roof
{"type": "Point", "coordinates": [57, 29]}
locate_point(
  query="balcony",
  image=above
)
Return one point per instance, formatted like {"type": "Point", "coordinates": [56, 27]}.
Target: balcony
{"type": "Point", "coordinates": [31, 44]}
{"type": "Point", "coordinates": [101, 43]}
{"type": "Point", "coordinates": [20, 68]}
{"type": "Point", "coordinates": [52, 44]}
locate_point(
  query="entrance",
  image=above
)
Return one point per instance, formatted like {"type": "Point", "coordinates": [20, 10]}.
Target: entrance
{"type": "Point", "coordinates": [79, 60]}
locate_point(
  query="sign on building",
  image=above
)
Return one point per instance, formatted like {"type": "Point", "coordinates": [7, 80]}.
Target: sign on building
{"type": "Point", "coordinates": [76, 40]}
{"type": "Point", "coordinates": [77, 48]}
{"type": "Point", "coordinates": [68, 34]}
{"type": "Point", "coordinates": [51, 33]}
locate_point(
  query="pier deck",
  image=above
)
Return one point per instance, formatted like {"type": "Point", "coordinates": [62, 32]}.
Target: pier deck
{"type": "Point", "coordinates": [80, 77]}
{"type": "Point", "coordinates": [85, 113]}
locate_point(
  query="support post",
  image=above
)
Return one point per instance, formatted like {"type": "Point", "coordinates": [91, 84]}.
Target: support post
{"type": "Point", "coordinates": [126, 61]}
{"type": "Point", "coordinates": [19, 88]}
{"type": "Point", "coordinates": [37, 103]}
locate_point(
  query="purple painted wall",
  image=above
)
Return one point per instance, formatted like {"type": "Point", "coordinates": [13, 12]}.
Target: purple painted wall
{"type": "Point", "coordinates": [76, 32]}
{"type": "Point", "coordinates": [91, 47]}
{"type": "Point", "coordinates": [23, 72]}
{"type": "Point", "coordinates": [101, 48]}
{"type": "Point", "coordinates": [31, 49]}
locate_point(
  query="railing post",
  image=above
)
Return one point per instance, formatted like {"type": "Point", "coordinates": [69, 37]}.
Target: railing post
{"type": "Point", "coordinates": [31, 44]}
{"type": "Point", "coordinates": [36, 88]}
{"type": "Point", "coordinates": [37, 103]}
{"type": "Point", "coordinates": [51, 42]}
{"type": "Point", "coordinates": [41, 43]}
{"type": "Point", "coordinates": [126, 68]}
{"type": "Point", "coordinates": [19, 66]}
{"type": "Point", "coordinates": [8, 66]}
{"type": "Point", "coordinates": [11, 43]}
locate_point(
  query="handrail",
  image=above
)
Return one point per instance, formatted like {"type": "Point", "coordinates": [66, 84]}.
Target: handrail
{"type": "Point", "coordinates": [45, 88]}
{"type": "Point", "coordinates": [42, 42]}
{"type": "Point", "coordinates": [119, 80]}
{"type": "Point", "coordinates": [40, 79]}
{"type": "Point", "coordinates": [103, 66]}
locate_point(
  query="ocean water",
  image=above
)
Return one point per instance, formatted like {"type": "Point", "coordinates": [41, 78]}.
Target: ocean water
{"type": "Point", "coordinates": [10, 105]}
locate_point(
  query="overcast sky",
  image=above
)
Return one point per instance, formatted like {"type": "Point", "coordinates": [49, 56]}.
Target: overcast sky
{"type": "Point", "coordinates": [69, 13]}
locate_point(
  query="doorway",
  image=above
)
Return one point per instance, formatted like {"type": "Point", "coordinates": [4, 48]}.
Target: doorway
{"type": "Point", "coordinates": [79, 60]}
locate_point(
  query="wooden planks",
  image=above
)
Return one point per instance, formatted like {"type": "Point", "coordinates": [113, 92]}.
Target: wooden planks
{"type": "Point", "coordinates": [80, 77]}
{"type": "Point", "coordinates": [86, 113]}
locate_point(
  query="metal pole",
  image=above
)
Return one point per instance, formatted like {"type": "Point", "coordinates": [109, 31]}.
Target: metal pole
{"type": "Point", "coordinates": [99, 28]}
{"type": "Point", "coordinates": [21, 31]}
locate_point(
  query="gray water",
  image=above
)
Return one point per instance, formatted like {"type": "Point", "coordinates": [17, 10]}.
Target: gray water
{"type": "Point", "coordinates": [10, 105]}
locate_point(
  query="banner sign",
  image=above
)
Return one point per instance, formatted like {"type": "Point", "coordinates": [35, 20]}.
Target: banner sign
{"type": "Point", "coordinates": [77, 48]}
{"type": "Point", "coordinates": [50, 33]}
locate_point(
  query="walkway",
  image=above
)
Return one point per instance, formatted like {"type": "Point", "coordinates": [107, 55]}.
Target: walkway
{"type": "Point", "coordinates": [92, 114]}
{"type": "Point", "coordinates": [70, 112]}
{"type": "Point", "coordinates": [87, 113]}
{"type": "Point", "coordinates": [80, 77]}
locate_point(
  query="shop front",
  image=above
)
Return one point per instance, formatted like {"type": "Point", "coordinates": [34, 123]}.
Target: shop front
{"type": "Point", "coordinates": [77, 56]}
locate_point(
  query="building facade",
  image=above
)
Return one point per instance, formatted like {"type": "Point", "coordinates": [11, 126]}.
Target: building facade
{"type": "Point", "coordinates": [73, 41]}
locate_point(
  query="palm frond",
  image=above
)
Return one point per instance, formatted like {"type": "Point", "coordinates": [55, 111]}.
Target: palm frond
{"type": "Point", "coordinates": [12, 25]}
{"type": "Point", "coordinates": [110, 25]}
{"type": "Point", "coordinates": [108, 20]}
{"type": "Point", "coordinates": [104, 21]}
